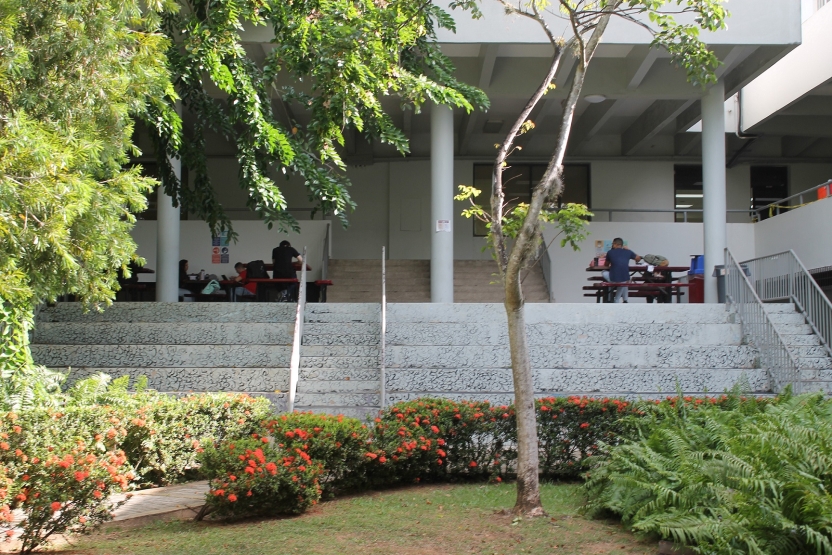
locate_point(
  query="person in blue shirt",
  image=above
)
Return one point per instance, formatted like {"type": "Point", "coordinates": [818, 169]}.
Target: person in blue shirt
{"type": "Point", "coordinates": [618, 259]}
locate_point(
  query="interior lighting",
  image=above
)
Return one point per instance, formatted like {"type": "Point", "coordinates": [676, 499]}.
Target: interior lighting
{"type": "Point", "coordinates": [595, 98]}
{"type": "Point", "coordinates": [684, 206]}
{"type": "Point", "coordinates": [689, 195]}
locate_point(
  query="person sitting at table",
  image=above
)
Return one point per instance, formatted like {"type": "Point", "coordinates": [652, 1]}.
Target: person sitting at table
{"type": "Point", "coordinates": [244, 289]}
{"type": "Point", "coordinates": [183, 278]}
{"type": "Point", "coordinates": [618, 259]}
{"type": "Point", "coordinates": [282, 256]}
{"type": "Point", "coordinates": [657, 276]}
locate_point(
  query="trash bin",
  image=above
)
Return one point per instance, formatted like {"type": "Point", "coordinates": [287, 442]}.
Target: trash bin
{"type": "Point", "coordinates": [719, 274]}
{"type": "Point", "coordinates": [696, 279]}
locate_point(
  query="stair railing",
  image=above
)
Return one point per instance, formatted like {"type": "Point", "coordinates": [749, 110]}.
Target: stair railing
{"type": "Point", "coordinates": [758, 328]}
{"type": "Point", "coordinates": [783, 277]}
{"type": "Point", "coordinates": [383, 348]}
{"type": "Point", "coordinates": [300, 311]}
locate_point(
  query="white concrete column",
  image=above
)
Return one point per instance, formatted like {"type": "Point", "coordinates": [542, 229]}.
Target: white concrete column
{"type": "Point", "coordinates": [713, 184]}
{"type": "Point", "coordinates": [167, 243]}
{"type": "Point", "coordinates": [442, 204]}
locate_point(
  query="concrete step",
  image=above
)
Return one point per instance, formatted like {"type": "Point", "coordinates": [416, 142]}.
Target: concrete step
{"type": "Point", "coordinates": [370, 373]}
{"type": "Point", "coordinates": [802, 339]}
{"type": "Point", "coordinates": [786, 318]}
{"type": "Point", "coordinates": [342, 312]}
{"type": "Point", "coordinates": [162, 356]}
{"type": "Point", "coordinates": [197, 379]}
{"type": "Point", "coordinates": [142, 333]}
{"type": "Point", "coordinates": [779, 307]}
{"type": "Point", "coordinates": [814, 363]}
{"type": "Point", "coordinates": [338, 386]}
{"type": "Point", "coordinates": [173, 312]}
{"type": "Point", "coordinates": [564, 313]}
{"type": "Point", "coordinates": [342, 339]}
{"type": "Point", "coordinates": [323, 400]}
{"type": "Point", "coordinates": [440, 333]}
{"type": "Point", "coordinates": [794, 329]}
{"type": "Point", "coordinates": [353, 328]}
{"type": "Point", "coordinates": [441, 381]}
{"type": "Point", "coordinates": [581, 356]}
{"type": "Point", "coordinates": [345, 363]}
{"type": "Point", "coordinates": [314, 351]}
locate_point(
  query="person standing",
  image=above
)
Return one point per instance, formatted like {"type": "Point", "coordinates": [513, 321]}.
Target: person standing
{"type": "Point", "coordinates": [284, 268]}
{"type": "Point", "coordinates": [618, 259]}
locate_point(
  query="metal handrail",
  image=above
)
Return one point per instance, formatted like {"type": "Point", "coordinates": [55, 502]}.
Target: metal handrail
{"type": "Point", "coordinates": [778, 203]}
{"type": "Point", "coordinates": [751, 212]}
{"type": "Point", "coordinates": [294, 361]}
{"type": "Point", "coordinates": [383, 347]}
{"type": "Point", "coordinates": [759, 329]}
{"type": "Point", "coordinates": [783, 276]}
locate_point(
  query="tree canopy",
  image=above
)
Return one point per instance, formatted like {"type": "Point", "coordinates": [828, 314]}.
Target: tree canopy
{"type": "Point", "coordinates": [336, 58]}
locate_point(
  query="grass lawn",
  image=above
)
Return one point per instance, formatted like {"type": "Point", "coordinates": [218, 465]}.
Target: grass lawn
{"type": "Point", "coordinates": [425, 520]}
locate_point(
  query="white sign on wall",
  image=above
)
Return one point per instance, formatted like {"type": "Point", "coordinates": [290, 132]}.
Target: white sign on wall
{"type": "Point", "coordinates": [443, 226]}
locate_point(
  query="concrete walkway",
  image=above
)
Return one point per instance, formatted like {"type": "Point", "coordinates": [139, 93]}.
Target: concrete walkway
{"type": "Point", "coordinates": [181, 502]}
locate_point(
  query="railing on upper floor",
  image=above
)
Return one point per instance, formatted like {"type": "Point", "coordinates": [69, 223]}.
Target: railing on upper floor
{"type": "Point", "coordinates": [754, 214]}
{"type": "Point", "coordinates": [297, 336]}
{"type": "Point", "coordinates": [783, 277]}
{"type": "Point", "coordinates": [758, 328]}
{"type": "Point", "coordinates": [382, 390]}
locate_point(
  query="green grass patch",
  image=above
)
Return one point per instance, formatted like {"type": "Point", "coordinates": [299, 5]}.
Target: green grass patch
{"type": "Point", "coordinates": [428, 520]}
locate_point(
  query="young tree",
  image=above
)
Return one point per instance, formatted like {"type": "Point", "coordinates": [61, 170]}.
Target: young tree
{"type": "Point", "coordinates": [587, 20]}
{"type": "Point", "coordinates": [334, 58]}
{"type": "Point", "coordinates": [72, 75]}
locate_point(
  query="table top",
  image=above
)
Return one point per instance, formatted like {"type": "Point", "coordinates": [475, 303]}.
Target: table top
{"type": "Point", "coordinates": [643, 268]}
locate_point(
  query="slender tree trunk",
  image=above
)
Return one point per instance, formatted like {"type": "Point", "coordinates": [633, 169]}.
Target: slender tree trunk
{"type": "Point", "coordinates": [528, 486]}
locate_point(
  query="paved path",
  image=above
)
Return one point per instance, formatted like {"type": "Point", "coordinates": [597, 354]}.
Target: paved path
{"type": "Point", "coordinates": [142, 507]}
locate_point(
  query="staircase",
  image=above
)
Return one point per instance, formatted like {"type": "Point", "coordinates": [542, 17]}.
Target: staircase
{"type": "Point", "coordinates": [812, 359]}
{"type": "Point", "coordinates": [339, 364]}
{"type": "Point", "coordinates": [180, 347]}
{"type": "Point", "coordinates": [461, 351]}
{"type": "Point", "coordinates": [408, 281]}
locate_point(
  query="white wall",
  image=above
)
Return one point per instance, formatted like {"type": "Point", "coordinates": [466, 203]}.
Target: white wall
{"type": "Point", "coordinates": [369, 223]}
{"type": "Point", "coordinates": [805, 230]}
{"type": "Point", "coordinates": [255, 242]}
{"type": "Point", "coordinates": [675, 241]}
{"type": "Point", "coordinates": [632, 185]}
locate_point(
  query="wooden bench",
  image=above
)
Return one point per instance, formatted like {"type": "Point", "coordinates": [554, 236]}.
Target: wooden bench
{"type": "Point", "coordinates": [134, 291]}
{"type": "Point", "coordinates": [603, 290]}
{"type": "Point", "coordinates": [322, 285]}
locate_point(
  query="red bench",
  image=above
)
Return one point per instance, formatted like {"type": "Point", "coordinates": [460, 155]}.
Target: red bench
{"type": "Point", "coordinates": [603, 290]}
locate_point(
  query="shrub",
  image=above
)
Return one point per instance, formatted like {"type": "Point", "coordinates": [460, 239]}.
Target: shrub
{"type": "Point", "coordinates": [439, 439]}
{"type": "Point", "coordinates": [59, 468]}
{"type": "Point", "coordinates": [726, 476]}
{"type": "Point", "coordinates": [573, 430]}
{"type": "Point", "coordinates": [162, 434]}
{"type": "Point", "coordinates": [254, 477]}
{"type": "Point", "coordinates": [338, 443]}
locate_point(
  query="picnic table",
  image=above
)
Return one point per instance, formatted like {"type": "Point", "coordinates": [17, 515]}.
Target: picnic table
{"type": "Point", "coordinates": [602, 290]}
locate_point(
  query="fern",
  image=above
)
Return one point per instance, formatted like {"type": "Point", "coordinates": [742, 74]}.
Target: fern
{"type": "Point", "coordinates": [741, 477]}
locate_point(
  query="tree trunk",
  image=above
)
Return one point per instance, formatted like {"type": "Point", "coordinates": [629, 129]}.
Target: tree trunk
{"type": "Point", "coordinates": [528, 484]}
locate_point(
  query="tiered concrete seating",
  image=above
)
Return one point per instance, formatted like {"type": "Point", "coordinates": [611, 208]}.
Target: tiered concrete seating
{"type": "Point", "coordinates": [180, 347]}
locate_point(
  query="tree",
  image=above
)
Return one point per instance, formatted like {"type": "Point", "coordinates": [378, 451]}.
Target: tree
{"type": "Point", "coordinates": [73, 73]}
{"type": "Point", "coordinates": [515, 245]}
{"type": "Point", "coordinates": [335, 58]}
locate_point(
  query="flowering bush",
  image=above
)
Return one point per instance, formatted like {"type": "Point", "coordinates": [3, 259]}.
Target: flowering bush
{"type": "Point", "coordinates": [163, 436]}
{"type": "Point", "coordinates": [572, 430]}
{"type": "Point", "coordinates": [435, 439]}
{"type": "Point", "coordinates": [255, 477]}
{"type": "Point", "coordinates": [58, 468]}
{"type": "Point", "coordinates": [338, 443]}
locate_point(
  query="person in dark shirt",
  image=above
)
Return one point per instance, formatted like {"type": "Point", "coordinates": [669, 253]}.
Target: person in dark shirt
{"type": "Point", "coordinates": [618, 259]}
{"type": "Point", "coordinates": [282, 256]}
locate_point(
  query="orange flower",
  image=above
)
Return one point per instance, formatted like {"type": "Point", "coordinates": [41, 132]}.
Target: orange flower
{"type": "Point", "coordinates": [56, 506]}
{"type": "Point", "coordinates": [585, 425]}
{"type": "Point", "coordinates": [232, 477]}
{"type": "Point", "coordinates": [96, 494]}
{"type": "Point", "coordinates": [472, 464]}
{"type": "Point", "coordinates": [232, 498]}
{"type": "Point", "coordinates": [434, 429]}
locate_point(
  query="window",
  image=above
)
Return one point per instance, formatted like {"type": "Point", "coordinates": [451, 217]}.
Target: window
{"type": "Point", "coordinates": [687, 184]}
{"type": "Point", "coordinates": [768, 184]}
{"type": "Point", "coordinates": [520, 179]}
